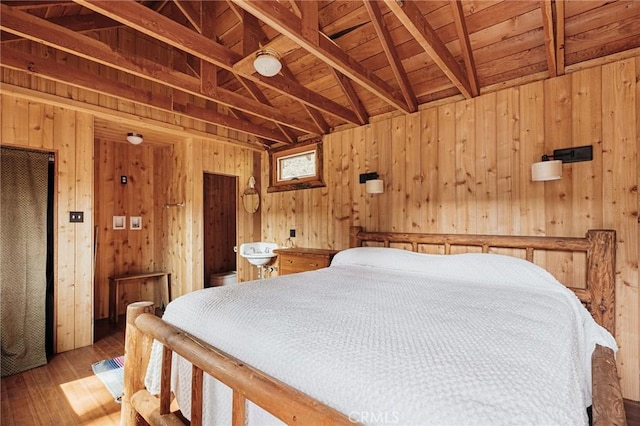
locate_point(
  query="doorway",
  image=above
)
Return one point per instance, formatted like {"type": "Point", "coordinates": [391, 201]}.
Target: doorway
{"type": "Point", "coordinates": [27, 258]}
{"type": "Point", "coordinates": [220, 205]}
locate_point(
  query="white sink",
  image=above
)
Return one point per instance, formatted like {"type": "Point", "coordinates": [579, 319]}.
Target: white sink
{"type": "Point", "coordinates": [259, 253]}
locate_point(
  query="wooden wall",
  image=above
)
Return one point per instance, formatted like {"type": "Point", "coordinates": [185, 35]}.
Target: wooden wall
{"type": "Point", "coordinates": [129, 251]}
{"type": "Point", "coordinates": [464, 167]}
{"type": "Point", "coordinates": [69, 135]}
{"type": "Point", "coordinates": [185, 235]}
{"type": "Point", "coordinates": [172, 237]}
{"type": "Point", "coordinates": [57, 116]}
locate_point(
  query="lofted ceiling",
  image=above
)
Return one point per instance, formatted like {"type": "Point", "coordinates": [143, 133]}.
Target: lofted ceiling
{"type": "Point", "coordinates": [343, 61]}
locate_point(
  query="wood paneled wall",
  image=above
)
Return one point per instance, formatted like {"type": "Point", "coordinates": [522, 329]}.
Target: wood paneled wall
{"type": "Point", "coordinates": [129, 251]}
{"type": "Point", "coordinates": [28, 118]}
{"type": "Point", "coordinates": [464, 167]}
{"type": "Point", "coordinates": [69, 135]}
{"type": "Point", "coordinates": [166, 188]}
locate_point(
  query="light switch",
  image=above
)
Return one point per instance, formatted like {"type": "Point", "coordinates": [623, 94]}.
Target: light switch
{"type": "Point", "coordinates": [76, 217]}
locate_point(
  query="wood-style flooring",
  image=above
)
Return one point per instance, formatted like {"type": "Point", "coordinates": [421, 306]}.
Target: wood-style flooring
{"type": "Point", "coordinates": [66, 392]}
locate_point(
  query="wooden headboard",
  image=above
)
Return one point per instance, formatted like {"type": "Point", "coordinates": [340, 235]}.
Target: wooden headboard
{"type": "Point", "coordinates": [599, 245]}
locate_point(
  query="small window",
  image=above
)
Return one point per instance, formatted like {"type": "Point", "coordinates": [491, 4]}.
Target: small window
{"type": "Point", "coordinates": [296, 168]}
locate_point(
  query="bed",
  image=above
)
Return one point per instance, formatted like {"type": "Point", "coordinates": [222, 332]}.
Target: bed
{"type": "Point", "coordinates": [389, 336]}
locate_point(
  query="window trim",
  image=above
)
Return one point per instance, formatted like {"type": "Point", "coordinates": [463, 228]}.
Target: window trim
{"type": "Point", "coordinates": [277, 154]}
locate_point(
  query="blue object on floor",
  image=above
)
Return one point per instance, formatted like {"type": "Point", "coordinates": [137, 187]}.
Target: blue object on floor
{"type": "Point", "coordinates": [111, 373]}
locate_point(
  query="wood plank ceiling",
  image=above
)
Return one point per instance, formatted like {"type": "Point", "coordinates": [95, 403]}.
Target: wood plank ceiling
{"type": "Point", "coordinates": [343, 61]}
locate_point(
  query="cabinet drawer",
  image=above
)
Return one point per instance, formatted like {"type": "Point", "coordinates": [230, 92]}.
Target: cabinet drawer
{"type": "Point", "coordinates": [294, 264]}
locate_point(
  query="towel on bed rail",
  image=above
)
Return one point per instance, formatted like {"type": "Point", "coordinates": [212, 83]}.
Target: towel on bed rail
{"type": "Point", "coordinates": [389, 336]}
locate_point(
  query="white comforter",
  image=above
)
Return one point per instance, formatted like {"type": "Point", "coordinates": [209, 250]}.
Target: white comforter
{"type": "Point", "coordinates": [390, 336]}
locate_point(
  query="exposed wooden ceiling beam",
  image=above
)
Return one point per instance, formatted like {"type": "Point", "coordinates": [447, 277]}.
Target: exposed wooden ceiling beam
{"type": "Point", "coordinates": [49, 68]}
{"type": "Point", "coordinates": [236, 10]}
{"type": "Point", "coordinates": [42, 31]}
{"type": "Point", "coordinates": [208, 71]}
{"type": "Point", "coordinates": [251, 35]}
{"type": "Point", "coordinates": [35, 4]}
{"type": "Point", "coordinates": [559, 37]}
{"type": "Point", "coordinates": [315, 115]}
{"type": "Point", "coordinates": [191, 12]}
{"type": "Point", "coordinates": [252, 38]}
{"type": "Point", "coordinates": [549, 36]}
{"type": "Point", "coordinates": [309, 20]}
{"type": "Point", "coordinates": [411, 17]}
{"type": "Point", "coordinates": [286, 22]}
{"type": "Point", "coordinates": [465, 45]}
{"type": "Point", "coordinates": [280, 44]}
{"type": "Point", "coordinates": [296, 6]}
{"type": "Point", "coordinates": [122, 119]}
{"type": "Point", "coordinates": [77, 23]}
{"type": "Point", "coordinates": [352, 96]}
{"type": "Point", "coordinates": [148, 22]}
{"type": "Point", "coordinates": [392, 55]}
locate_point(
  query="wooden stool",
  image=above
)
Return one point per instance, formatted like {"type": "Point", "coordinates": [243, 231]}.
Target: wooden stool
{"type": "Point", "coordinates": [116, 280]}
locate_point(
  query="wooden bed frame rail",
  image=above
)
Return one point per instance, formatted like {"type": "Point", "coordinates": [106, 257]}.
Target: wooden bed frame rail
{"type": "Point", "coordinates": [286, 403]}
{"type": "Point", "coordinates": [291, 405]}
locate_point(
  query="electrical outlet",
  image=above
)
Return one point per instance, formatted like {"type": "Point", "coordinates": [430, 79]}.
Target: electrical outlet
{"type": "Point", "coordinates": [76, 217]}
{"type": "Point", "coordinates": [292, 233]}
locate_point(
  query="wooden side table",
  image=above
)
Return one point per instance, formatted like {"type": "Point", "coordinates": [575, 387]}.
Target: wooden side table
{"type": "Point", "coordinates": [116, 280]}
{"type": "Point", "coordinates": [294, 260]}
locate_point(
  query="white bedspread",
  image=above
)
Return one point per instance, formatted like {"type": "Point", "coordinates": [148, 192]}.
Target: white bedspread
{"type": "Point", "coordinates": [393, 337]}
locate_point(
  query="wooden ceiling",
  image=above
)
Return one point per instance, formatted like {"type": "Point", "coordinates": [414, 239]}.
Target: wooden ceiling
{"type": "Point", "coordinates": [343, 61]}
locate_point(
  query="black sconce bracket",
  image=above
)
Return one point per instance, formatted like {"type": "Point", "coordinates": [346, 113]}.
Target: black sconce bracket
{"type": "Point", "coordinates": [571, 155]}
{"type": "Point", "coordinates": [368, 176]}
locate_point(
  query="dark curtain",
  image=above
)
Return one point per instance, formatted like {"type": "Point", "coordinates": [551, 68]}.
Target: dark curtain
{"type": "Point", "coordinates": [23, 254]}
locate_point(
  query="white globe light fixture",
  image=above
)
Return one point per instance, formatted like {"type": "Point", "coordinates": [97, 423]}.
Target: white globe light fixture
{"type": "Point", "coordinates": [134, 138]}
{"type": "Point", "coordinates": [267, 63]}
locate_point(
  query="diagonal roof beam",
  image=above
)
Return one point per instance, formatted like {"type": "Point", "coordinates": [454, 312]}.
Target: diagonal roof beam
{"type": "Point", "coordinates": [392, 55]}
{"type": "Point", "coordinates": [77, 23]}
{"type": "Point", "coordinates": [251, 35]}
{"type": "Point", "coordinates": [36, 4]}
{"type": "Point", "coordinates": [411, 17]}
{"type": "Point", "coordinates": [51, 69]}
{"type": "Point", "coordinates": [465, 45]}
{"type": "Point", "coordinates": [191, 12]}
{"type": "Point", "coordinates": [315, 115]}
{"type": "Point", "coordinates": [286, 22]}
{"type": "Point", "coordinates": [42, 31]}
{"type": "Point", "coordinates": [145, 20]}
{"type": "Point", "coordinates": [352, 96]}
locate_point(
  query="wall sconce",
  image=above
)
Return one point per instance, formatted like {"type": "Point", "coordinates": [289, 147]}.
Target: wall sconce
{"type": "Point", "coordinates": [134, 138]}
{"type": "Point", "coordinates": [373, 185]}
{"type": "Point", "coordinates": [548, 169]}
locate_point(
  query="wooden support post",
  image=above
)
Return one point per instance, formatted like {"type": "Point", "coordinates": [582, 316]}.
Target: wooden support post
{"type": "Point", "coordinates": [601, 280]}
{"type": "Point", "coordinates": [137, 348]}
{"type": "Point", "coordinates": [354, 241]}
{"type": "Point", "coordinates": [608, 406]}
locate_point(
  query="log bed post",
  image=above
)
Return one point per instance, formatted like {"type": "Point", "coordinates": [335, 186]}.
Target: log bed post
{"type": "Point", "coordinates": [137, 350]}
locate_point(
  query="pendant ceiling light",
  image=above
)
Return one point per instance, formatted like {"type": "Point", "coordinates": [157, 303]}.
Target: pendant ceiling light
{"type": "Point", "coordinates": [267, 63]}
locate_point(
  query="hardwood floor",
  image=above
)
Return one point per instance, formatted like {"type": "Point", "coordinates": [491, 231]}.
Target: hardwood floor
{"type": "Point", "coordinates": [65, 391]}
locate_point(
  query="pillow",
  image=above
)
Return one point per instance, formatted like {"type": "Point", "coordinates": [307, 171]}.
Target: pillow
{"type": "Point", "coordinates": [467, 267]}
